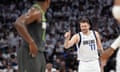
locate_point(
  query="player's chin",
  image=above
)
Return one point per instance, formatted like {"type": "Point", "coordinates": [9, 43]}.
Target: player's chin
{"type": "Point", "coordinates": [85, 32]}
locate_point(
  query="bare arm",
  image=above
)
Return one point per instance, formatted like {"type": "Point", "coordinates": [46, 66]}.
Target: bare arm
{"type": "Point", "coordinates": [106, 55]}
{"type": "Point", "coordinates": [70, 42]}
{"type": "Point", "coordinates": [100, 49]}
{"type": "Point", "coordinates": [20, 24]}
{"type": "Point", "coordinates": [99, 44]}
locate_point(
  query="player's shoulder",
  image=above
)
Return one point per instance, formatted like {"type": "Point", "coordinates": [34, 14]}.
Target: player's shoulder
{"type": "Point", "coordinates": [78, 35]}
{"type": "Point", "coordinates": [75, 36]}
{"type": "Point", "coordinates": [95, 32]}
{"type": "Point", "coordinates": [33, 11]}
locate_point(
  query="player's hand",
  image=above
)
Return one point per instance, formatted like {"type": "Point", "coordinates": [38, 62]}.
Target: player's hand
{"type": "Point", "coordinates": [33, 49]}
{"type": "Point", "coordinates": [103, 59]}
{"type": "Point", "coordinates": [106, 55]}
{"type": "Point", "coordinates": [67, 35]}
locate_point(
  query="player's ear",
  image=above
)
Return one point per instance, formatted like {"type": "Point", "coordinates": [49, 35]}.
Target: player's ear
{"type": "Point", "coordinates": [88, 24]}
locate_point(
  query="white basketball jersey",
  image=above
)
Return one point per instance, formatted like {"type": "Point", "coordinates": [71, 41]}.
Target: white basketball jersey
{"type": "Point", "coordinates": [87, 48]}
{"type": "Point", "coordinates": [116, 43]}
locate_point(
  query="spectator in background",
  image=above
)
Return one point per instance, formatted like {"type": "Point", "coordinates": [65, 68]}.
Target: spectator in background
{"type": "Point", "coordinates": [49, 67]}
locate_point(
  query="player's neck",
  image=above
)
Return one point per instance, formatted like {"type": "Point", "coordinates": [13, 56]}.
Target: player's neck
{"type": "Point", "coordinates": [86, 33]}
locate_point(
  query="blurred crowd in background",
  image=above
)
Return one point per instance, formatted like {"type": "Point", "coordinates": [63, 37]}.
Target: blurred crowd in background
{"type": "Point", "coordinates": [62, 16]}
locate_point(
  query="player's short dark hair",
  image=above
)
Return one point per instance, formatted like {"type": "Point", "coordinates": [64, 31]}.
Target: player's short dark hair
{"type": "Point", "coordinates": [84, 20]}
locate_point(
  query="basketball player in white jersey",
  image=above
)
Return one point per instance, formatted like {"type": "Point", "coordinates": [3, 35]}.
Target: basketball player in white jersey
{"type": "Point", "coordinates": [88, 43]}
{"type": "Point", "coordinates": [116, 44]}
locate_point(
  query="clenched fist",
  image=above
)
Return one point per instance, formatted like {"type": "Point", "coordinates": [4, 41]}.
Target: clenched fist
{"type": "Point", "coordinates": [67, 35]}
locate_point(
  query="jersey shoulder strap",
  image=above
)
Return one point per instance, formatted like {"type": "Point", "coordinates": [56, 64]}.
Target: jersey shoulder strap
{"type": "Point", "coordinates": [80, 40]}
{"type": "Point", "coordinates": [95, 34]}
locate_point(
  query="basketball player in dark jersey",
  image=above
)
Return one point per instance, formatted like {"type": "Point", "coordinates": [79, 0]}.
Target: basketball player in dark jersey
{"type": "Point", "coordinates": [31, 26]}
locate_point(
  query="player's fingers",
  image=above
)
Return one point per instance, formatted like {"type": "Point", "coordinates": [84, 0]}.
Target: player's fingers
{"type": "Point", "coordinates": [33, 55]}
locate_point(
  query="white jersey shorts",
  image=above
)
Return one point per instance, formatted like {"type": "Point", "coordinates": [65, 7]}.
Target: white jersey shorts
{"type": "Point", "coordinates": [89, 66]}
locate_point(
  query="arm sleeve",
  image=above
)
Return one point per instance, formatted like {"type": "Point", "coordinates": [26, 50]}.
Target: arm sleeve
{"type": "Point", "coordinates": [116, 43]}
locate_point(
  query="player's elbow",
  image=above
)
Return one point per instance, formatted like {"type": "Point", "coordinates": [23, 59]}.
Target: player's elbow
{"type": "Point", "coordinates": [18, 24]}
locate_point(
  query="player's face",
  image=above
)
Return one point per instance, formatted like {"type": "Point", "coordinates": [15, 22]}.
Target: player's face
{"type": "Point", "coordinates": [84, 27]}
